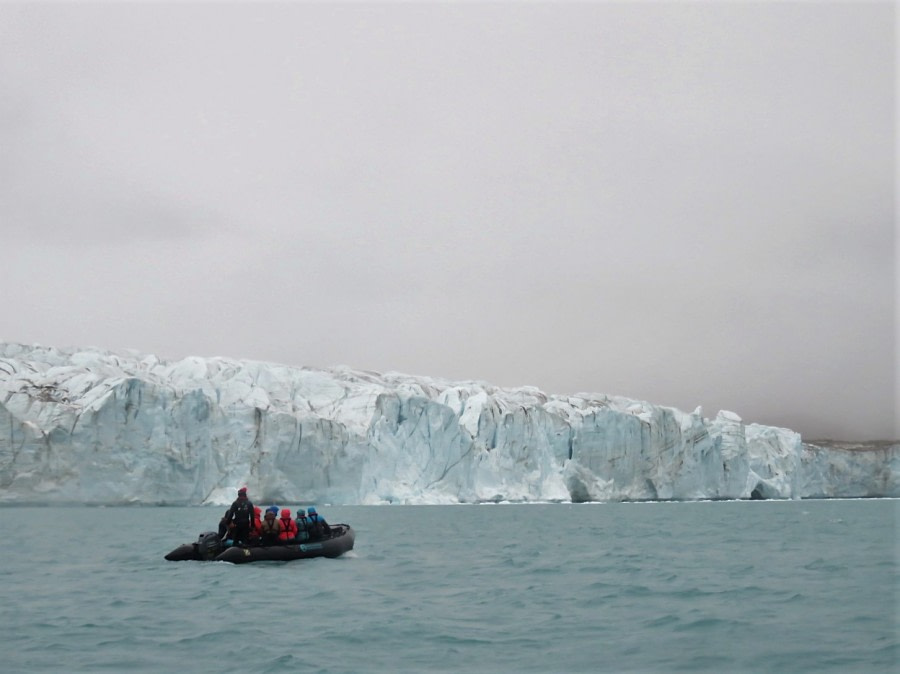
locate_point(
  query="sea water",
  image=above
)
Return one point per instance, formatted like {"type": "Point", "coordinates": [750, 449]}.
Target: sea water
{"type": "Point", "coordinates": [788, 586]}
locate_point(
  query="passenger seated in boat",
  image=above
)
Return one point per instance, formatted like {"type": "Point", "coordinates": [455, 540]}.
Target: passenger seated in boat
{"type": "Point", "coordinates": [270, 529]}
{"type": "Point", "coordinates": [318, 527]}
{"type": "Point", "coordinates": [288, 528]}
{"type": "Point", "coordinates": [256, 527]}
{"type": "Point", "coordinates": [223, 525]}
{"type": "Point", "coordinates": [302, 525]}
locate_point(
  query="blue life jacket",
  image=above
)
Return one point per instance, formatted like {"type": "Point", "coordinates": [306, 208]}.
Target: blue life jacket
{"type": "Point", "coordinates": [302, 529]}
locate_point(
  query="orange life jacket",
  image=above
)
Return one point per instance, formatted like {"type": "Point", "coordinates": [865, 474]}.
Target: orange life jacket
{"type": "Point", "coordinates": [288, 529]}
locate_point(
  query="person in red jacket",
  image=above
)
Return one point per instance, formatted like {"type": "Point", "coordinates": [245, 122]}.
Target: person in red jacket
{"type": "Point", "coordinates": [288, 527]}
{"type": "Point", "coordinates": [256, 527]}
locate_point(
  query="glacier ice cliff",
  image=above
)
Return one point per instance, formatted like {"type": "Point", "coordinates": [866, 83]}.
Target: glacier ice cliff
{"type": "Point", "coordinates": [88, 426]}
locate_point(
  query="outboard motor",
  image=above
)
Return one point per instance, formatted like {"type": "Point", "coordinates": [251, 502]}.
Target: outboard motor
{"type": "Point", "coordinates": [209, 545]}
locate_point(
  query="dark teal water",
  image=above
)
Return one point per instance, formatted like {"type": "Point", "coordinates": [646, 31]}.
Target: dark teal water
{"type": "Point", "coordinates": [662, 587]}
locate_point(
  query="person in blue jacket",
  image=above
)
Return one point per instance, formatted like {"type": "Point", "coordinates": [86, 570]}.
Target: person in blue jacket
{"type": "Point", "coordinates": [318, 526]}
{"type": "Point", "coordinates": [302, 526]}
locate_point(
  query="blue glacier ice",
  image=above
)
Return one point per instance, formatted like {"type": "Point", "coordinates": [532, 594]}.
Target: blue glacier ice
{"type": "Point", "coordinates": [92, 426]}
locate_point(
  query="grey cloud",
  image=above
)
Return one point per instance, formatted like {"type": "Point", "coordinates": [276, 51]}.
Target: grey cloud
{"type": "Point", "coordinates": [693, 204]}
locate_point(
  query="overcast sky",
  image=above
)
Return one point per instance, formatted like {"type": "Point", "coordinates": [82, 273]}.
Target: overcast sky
{"type": "Point", "coordinates": [690, 204]}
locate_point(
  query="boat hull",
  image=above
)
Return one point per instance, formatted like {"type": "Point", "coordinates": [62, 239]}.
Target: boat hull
{"type": "Point", "coordinates": [341, 541]}
{"type": "Point", "coordinates": [328, 547]}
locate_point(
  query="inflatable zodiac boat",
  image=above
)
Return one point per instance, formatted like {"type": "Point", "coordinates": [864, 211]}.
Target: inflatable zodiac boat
{"type": "Point", "coordinates": [209, 547]}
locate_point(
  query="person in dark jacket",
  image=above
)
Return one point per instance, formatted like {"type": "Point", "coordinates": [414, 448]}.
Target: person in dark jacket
{"type": "Point", "coordinates": [318, 527]}
{"type": "Point", "coordinates": [239, 518]}
{"type": "Point", "coordinates": [223, 526]}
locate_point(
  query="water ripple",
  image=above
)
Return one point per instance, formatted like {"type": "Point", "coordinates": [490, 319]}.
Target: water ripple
{"type": "Point", "coordinates": [622, 588]}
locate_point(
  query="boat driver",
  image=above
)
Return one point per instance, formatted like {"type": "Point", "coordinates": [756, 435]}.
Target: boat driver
{"type": "Point", "coordinates": [239, 518]}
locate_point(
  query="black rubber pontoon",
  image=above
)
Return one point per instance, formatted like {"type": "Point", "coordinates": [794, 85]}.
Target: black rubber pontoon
{"type": "Point", "coordinates": [209, 547]}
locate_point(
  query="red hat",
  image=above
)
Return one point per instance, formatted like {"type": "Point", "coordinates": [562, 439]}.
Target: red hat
{"type": "Point", "coordinates": [242, 490]}
{"type": "Point", "coordinates": [285, 513]}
